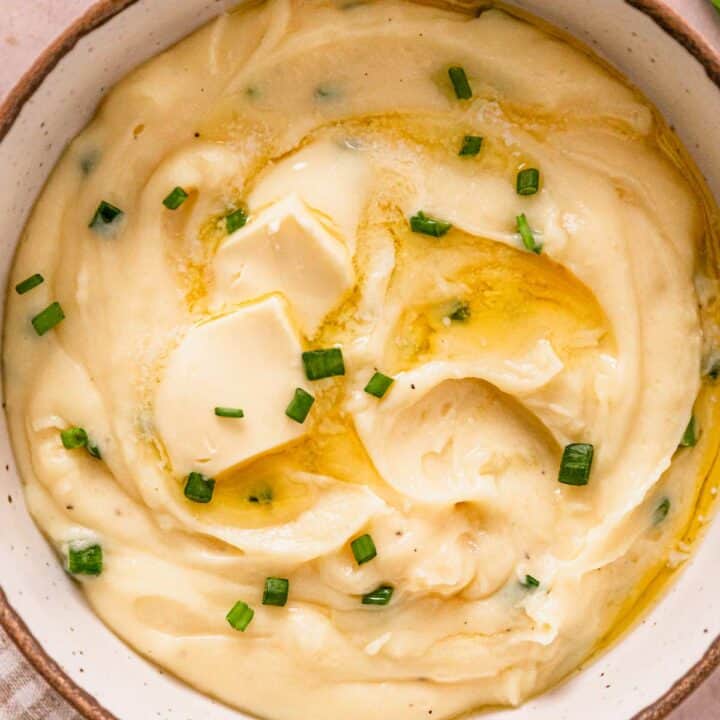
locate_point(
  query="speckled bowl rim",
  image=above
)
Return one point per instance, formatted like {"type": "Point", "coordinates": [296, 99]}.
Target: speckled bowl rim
{"type": "Point", "coordinates": [102, 11]}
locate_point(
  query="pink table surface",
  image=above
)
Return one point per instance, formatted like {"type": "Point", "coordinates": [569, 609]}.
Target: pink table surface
{"type": "Point", "coordinates": [26, 27]}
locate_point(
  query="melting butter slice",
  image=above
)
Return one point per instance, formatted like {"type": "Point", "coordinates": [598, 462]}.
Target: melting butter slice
{"type": "Point", "coordinates": [250, 359]}
{"type": "Point", "coordinates": [332, 178]}
{"type": "Point", "coordinates": [285, 249]}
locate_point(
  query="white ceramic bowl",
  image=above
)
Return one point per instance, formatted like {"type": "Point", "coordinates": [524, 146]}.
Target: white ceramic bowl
{"type": "Point", "coordinates": [92, 668]}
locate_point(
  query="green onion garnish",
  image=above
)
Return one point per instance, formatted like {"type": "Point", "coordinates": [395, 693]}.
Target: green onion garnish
{"type": "Point", "coordinates": [379, 596]}
{"type": "Point", "coordinates": [460, 83]}
{"type": "Point", "coordinates": [528, 181]}
{"type": "Point", "coordinates": [85, 561]}
{"type": "Point", "coordinates": [471, 145]}
{"type": "Point", "coordinates": [199, 488]}
{"type": "Point", "coordinates": [323, 363]}
{"type": "Point", "coordinates": [526, 234]}
{"type": "Point", "coordinates": [77, 437]}
{"type": "Point", "coordinates": [235, 220]}
{"type": "Point", "coordinates": [460, 312]}
{"type": "Point", "coordinates": [661, 511]}
{"type": "Point", "coordinates": [378, 384]}
{"type": "Point", "coordinates": [300, 405]}
{"type": "Point", "coordinates": [422, 223]}
{"type": "Point", "coordinates": [48, 318]}
{"type": "Point", "coordinates": [576, 463]}
{"type": "Point", "coordinates": [531, 582]}
{"type": "Point", "coordinates": [690, 436]}
{"type": "Point", "coordinates": [229, 412]}
{"type": "Point", "coordinates": [276, 591]}
{"type": "Point", "coordinates": [29, 283]}
{"type": "Point", "coordinates": [74, 437]}
{"type": "Point", "coordinates": [94, 451]}
{"type": "Point", "coordinates": [175, 199]}
{"type": "Point", "coordinates": [240, 616]}
{"type": "Point", "coordinates": [264, 496]}
{"type": "Point", "coordinates": [363, 548]}
{"type": "Point", "coordinates": [106, 214]}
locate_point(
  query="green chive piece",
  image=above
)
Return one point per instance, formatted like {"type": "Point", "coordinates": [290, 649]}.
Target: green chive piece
{"type": "Point", "coordinates": [576, 463]}
{"type": "Point", "coordinates": [240, 616]}
{"type": "Point", "coordinates": [528, 181]}
{"type": "Point", "coordinates": [323, 363]}
{"type": "Point", "coordinates": [379, 596]}
{"type": "Point", "coordinates": [460, 83]}
{"type": "Point", "coordinates": [714, 372]}
{"type": "Point", "coordinates": [527, 235]}
{"type": "Point", "coordinates": [422, 223]}
{"type": "Point", "coordinates": [175, 199]}
{"type": "Point", "coordinates": [460, 312]}
{"type": "Point", "coordinates": [530, 582]}
{"type": "Point", "coordinates": [229, 412]}
{"type": "Point", "coordinates": [716, 4]}
{"type": "Point", "coordinates": [29, 283]}
{"type": "Point", "coordinates": [199, 488]}
{"type": "Point", "coordinates": [300, 405]}
{"type": "Point", "coordinates": [94, 451]}
{"type": "Point", "coordinates": [661, 511]}
{"type": "Point", "coordinates": [690, 436]}
{"type": "Point", "coordinates": [379, 384]}
{"type": "Point", "coordinates": [363, 548]}
{"type": "Point", "coordinates": [264, 496]}
{"type": "Point", "coordinates": [74, 437]}
{"type": "Point", "coordinates": [471, 145]}
{"type": "Point", "coordinates": [235, 220]}
{"type": "Point", "coordinates": [276, 591]}
{"type": "Point", "coordinates": [106, 214]}
{"type": "Point", "coordinates": [85, 561]}
{"type": "Point", "coordinates": [48, 318]}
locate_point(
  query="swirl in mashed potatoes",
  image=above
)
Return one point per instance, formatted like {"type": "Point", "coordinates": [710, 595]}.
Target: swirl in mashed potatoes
{"type": "Point", "coordinates": [299, 176]}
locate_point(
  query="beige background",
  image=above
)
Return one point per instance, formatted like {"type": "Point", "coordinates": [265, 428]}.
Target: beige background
{"type": "Point", "coordinates": [26, 27]}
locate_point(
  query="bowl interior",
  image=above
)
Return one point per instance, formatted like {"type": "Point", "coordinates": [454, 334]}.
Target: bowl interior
{"type": "Point", "coordinates": [633, 674]}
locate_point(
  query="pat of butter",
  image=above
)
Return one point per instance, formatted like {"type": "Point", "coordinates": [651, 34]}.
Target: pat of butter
{"type": "Point", "coordinates": [250, 359]}
{"type": "Point", "coordinates": [287, 250]}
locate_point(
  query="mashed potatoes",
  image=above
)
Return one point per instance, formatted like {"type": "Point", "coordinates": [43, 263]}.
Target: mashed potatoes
{"type": "Point", "coordinates": [337, 285]}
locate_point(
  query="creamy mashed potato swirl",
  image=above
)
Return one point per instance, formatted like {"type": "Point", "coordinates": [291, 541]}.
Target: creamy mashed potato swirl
{"type": "Point", "coordinates": [329, 127]}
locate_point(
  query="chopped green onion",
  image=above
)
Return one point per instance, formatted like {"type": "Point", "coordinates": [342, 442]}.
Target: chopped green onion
{"type": "Point", "coordinates": [471, 145]}
{"type": "Point", "coordinates": [85, 561]}
{"type": "Point", "coordinates": [526, 234]}
{"type": "Point", "coordinates": [379, 596]}
{"type": "Point", "coordinates": [460, 312]}
{"type": "Point", "coordinates": [175, 199]}
{"type": "Point", "coordinates": [714, 372]}
{"type": "Point", "coordinates": [378, 384]}
{"type": "Point", "coordinates": [48, 318]}
{"type": "Point", "coordinates": [460, 83]}
{"type": "Point", "coordinates": [262, 497]}
{"type": "Point", "coordinates": [94, 450]}
{"type": "Point", "coordinates": [323, 363]}
{"type": "Point", "coordinates": [661, 511]}
{"type": "Point", "coordinates": [528, 181]}
{"type": "Point", "coordinates": [276, 591]}
{"type": "Point", "coordinates": [228, 412]}
{"type": "Point", "coordinates": [199, 488]}
{"type": "Point", "coordinates": [363, 548]}
{"type": "Point", "coordinates": [716, 4]}
{"type": "Point", "coordinates": [29, 283]}
{"type": "Point", "coordinates": [235, 220]}
{"type": "Point", "coordinates": [240, 616]}
{"type": "Point", "coordinates": [422, 223]}
{"type": "Point", "coordinates": [576, 463]}
{"type": "Point", "coordinates": [690, 436]}
{"type": "Point", "coordinates": [325, 92]}
{"type": "Point", "coordinates": [531, 582]}
{"type": "Point", "coordinates": [106, 214]}
{"type": "Point", "coordinates": [74, 437]}
{"type": "Point", "coordinates": [300, 405]}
